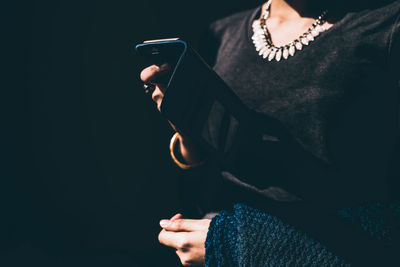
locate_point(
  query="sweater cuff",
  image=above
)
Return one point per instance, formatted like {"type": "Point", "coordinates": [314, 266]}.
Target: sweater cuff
{"type": "Point", "coordinates": [249, 237]}
{"type": "Point", "coordinates": [221, 241]}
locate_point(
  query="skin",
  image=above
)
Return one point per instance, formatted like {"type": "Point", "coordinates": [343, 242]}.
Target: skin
{"type": "Point", "coordinates": [187, 237]}
{"type": "Point", "coordinates": [288, 19]}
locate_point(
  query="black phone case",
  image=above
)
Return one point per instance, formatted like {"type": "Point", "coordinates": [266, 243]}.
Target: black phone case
{"type": "Point", "coordinates": [194, 91]}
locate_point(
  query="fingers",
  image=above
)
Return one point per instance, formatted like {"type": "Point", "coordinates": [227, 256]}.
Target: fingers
{"type": "Point", "coordinates": [157, 96]}
{"type": "Point", "coordinates": [189, 245]}
{"type": "Point", "coordinates": [185, 258]}
{"type": "Point", "coordinates": [150, 74]}
{"type": "Point", "coordinates": [175, 217]}
{"type": "Point", "coordinates": [177, 240]}
{"type": "Point", "coordinates": [184, 225]}
{"type": "Point", "coordinates": [164, 223]}
{"type": "Point", "coordinates": [181, 240]}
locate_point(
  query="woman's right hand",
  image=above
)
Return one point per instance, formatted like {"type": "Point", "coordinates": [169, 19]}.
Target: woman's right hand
{"type": "Point", "coordinates": [150, 75]}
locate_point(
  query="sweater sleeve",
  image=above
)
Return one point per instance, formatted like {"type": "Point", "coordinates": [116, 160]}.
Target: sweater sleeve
{"type": "Point", "coordinates": [250, 237]}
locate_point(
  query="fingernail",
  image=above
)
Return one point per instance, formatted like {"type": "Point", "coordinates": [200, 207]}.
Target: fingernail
{"type": "Point", "coordinates": [164, 223]}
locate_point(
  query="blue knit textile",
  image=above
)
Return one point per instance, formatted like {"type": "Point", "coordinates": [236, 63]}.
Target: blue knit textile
{"type": "Point", "coordinates": [249, 237]}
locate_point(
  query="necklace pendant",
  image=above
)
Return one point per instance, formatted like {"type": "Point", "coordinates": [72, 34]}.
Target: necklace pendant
{"type": "Point", "coordinates": [314, 33]}
{"type": "Point", "coordinates": [278, 55]}
{"type": "Point", "coordinates": [262, 51]}
{"type": "Point", "coordinates": [304, 40]}
{"type": "Point", "coordinates": [272, 54]}
{"type": "Point", "coordinates": [319, 28]}
{"type": "Point", "coordinates": [266, 53]}
{"type": "Point", "coordinates": [256, 37]}
{"type": "Point", "coordinates": [285, 53]}
{"type": "Point", "coordinates": [298, 45]}
{"type": "Point", "coordinates": [258, 42]}
{"type": "Point", "coordinates": [292, 50]}
{"type": "Point", "coordinates": [258, 46]}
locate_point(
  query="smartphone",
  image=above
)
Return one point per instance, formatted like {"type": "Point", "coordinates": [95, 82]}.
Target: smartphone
{"type": "Point", "coordinates": [194, 92]}
{"type": "Point", "coordinates": [161, 51]}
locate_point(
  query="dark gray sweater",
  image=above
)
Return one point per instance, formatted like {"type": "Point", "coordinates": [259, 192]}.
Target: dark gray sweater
{"type": "Point", "coordinates": [337, 104]}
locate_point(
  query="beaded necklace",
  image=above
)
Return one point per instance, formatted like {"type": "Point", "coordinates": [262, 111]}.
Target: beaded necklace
{"type": "Point", "coordinates": [263, 42]}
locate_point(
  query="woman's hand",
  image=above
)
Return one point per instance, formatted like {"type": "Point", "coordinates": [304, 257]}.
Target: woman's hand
{"type": "Point", "coordinates": [150, 75]}
{"type": "Point", "coordinates": [187, 237]}
{"type": "Point", "coordinates": [190, 153]}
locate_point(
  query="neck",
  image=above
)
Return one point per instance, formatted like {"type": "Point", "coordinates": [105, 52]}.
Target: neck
{"type": "Point", "coordinates": [293, 9]}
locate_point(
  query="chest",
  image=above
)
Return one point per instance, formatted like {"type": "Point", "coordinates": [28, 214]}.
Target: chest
{"type": "Point", "coordinates": [320, 76]}
{"type": "Point", "coordinates": [323, 88]}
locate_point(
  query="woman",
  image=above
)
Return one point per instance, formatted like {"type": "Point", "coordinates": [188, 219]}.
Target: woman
{"type": "Point", "coordinates": [319, 187]}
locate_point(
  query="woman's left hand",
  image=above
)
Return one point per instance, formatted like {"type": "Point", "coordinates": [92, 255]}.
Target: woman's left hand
{"type": "Point", "coordinates": [187, 237]}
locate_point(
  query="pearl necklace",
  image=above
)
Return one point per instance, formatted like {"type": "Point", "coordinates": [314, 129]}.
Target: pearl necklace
{"type": "Point", "coordinates": [263, 43]}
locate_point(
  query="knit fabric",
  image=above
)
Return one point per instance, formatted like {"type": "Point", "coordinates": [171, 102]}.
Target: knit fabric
{"type": "Point", "coordinates": [249, 237]}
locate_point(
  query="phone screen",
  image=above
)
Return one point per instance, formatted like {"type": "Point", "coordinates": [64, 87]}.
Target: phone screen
{"type": "Point", "coordinates": [163, 51]}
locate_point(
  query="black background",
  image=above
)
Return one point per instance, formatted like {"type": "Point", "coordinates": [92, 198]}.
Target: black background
{"type": "Point", "coordinates": [85, 172]}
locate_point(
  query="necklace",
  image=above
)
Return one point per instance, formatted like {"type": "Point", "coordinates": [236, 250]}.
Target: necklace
{"type": "Point", "coordinates": [263, 42]}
